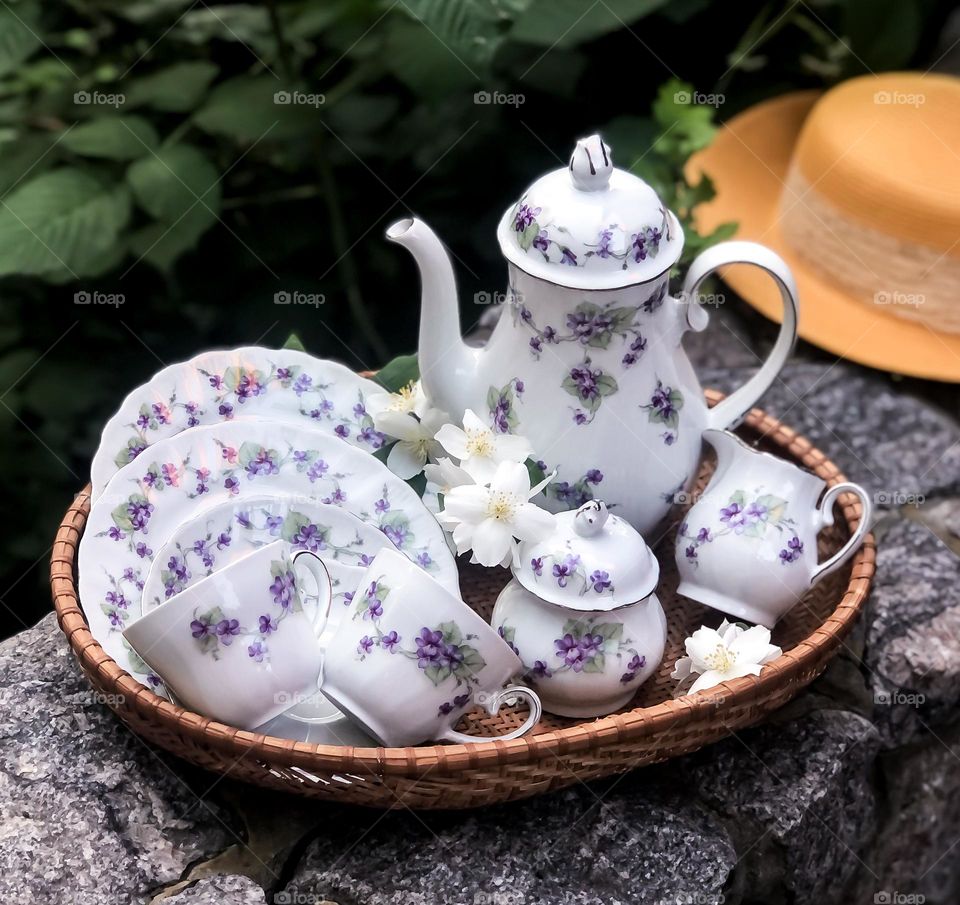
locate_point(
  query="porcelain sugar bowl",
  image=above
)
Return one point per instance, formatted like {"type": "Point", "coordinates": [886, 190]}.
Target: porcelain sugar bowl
{"type": "Point", "coordinates": [582, 615]}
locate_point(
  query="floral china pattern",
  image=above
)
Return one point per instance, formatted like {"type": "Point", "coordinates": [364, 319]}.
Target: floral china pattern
{"type": "Point", "coordinates": [248, 462]}
{"type": "Point", "coordinates": [629, 246]}
{"type": "Point", "coordinates": [230, 390]}
{"type": "Point", "coordinates": [566, 569]}
{"type": "Point", "coordinates": [502, 405]}
{"type": "Point", "coordinates": [585, 645]}
{"type": "Point", "coordinates": [748, 516]}
{"type": "Point", "coordinates": [594, 328]}
{"type": "Point", "coordinates": [442, 652]}
{"type": "Point", "coordinates": [212, 630]}
{"type": "Point", "coordinates": [196, 557]}
{"type": "Point", "coordinates": [573, 494]}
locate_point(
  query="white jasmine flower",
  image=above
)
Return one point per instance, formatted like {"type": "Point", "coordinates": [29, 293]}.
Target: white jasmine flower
{"type": "Point", "coordinates": [487, 518]}
{"type": "Point", "coordinates": [716, 655]}
{"type": "Point", "coordinates": [408, 400]}
{"type": "Point", "coordinates": [415, 439]}
{"type": "Point", "coordinates": [446, 474]}
{"type": "Point", "coordinates": [479, 448]}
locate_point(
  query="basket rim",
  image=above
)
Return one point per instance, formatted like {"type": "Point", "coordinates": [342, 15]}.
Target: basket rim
{"type": "Point", "coordinates": [807, 655]}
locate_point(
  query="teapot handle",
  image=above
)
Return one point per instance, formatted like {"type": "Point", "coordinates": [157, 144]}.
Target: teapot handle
{"type": "Point", "coordinates": [729, 412]}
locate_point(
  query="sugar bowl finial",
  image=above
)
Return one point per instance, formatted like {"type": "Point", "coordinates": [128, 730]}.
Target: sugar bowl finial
{"type": "Point", "coordinates": [591, 164]}
{"type": "Point", "coordinates": [590, 518]}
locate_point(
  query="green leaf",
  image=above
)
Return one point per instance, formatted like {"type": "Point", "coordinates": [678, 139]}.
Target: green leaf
{"type": "Point", "coordinates": [254, 108]}
{"type": "Point", "coordinates": [175, 89]}
{"type": "Point", "coordinates": [417, 59]}
{"type": "Point", "coordinates": [174, 181]}
{"type": "Point", "coordinates": [19, 34]}
{"type": "Point", "coordinates": [25, 154]}
{"type": "Point", "coordinates": [361, 114]}
{"type": "Point", "coordinates": [472, 662]}
{"type": "Point", "coordinates": [687, 126]}
{"type": "Point", "coordinates": [566, 23]}
{"type": "Point", "coordinates": [609, 631]}
{"type": "Point", "coordinates": [607, 385]}
{"type": "Point", "coordinates": [418, 484]}
{"type": "Point", "coordinates": [471, 30]}
{"type": "Point", "coordinates": [451, 632]}
{"type": "Point", "coordinates": [399, 372]}
{"type": "Point", "coordinates": [882, 34]}
{"type": "Point", "coordinates": [595, 663]}
{"type": "Point", "coordinates": [535, 472]}
{"type": "Point", "coordinates": [293, 342]}
{"type": "Point", "coordinates": [112, 137]}
{"type": "Point", "coordinates": [241, 23]}
{"type": "Point", "coordinates": [57, 221]}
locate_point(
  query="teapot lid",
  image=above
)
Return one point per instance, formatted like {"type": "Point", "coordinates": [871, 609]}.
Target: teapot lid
{"type": "Point", "coordinates": [594, 560]}
{"type": "Point", "coordinates": [591, 225]}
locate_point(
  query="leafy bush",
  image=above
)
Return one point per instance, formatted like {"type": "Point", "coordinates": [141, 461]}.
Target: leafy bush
{"type": "Point", "coordinates": [167, 167]}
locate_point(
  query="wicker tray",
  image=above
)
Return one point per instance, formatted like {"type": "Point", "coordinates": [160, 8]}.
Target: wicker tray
{"type": "Point", "coordinates": [654, 727]}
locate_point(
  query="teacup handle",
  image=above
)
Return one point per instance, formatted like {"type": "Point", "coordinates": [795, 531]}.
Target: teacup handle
{"type": "Point", "coordinates": [492, 705]}
{"type": "Point", "coordinates": [729, 412]}
{"type": "Point", "coordinates": [825, 511]}
{"type": "Point", "coordinates": [324, 595]}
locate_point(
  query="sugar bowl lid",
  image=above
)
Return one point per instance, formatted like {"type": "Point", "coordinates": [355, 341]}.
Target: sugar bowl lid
{"type": "Point", "coordinates": [594, 560]}
{"type": "Point", "coordinates": [591, 225]}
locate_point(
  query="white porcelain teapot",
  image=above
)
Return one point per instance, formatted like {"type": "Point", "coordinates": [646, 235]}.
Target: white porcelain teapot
{"type": "Point", "coordinates": [586, 361]}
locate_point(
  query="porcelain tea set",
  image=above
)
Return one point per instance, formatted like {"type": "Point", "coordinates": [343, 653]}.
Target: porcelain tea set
{"type": "Point", "coordinates": [249, 556]}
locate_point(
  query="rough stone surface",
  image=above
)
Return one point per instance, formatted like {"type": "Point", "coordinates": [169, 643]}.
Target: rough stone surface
{"type": "Point", "coordinates": [912, 655]}
{"type": "Point", "coordinates": [86, 808]}
{"type": "Point", "coordinates": [220, 890]}
{"type": "Point", "coordinates": [584, 846]}
{"type": "Point", "coordinates": [915, 852]}
{"type": "Point", "coordinates": [898, 446]}
{"type": "Point", "coordinates": [799, 800]}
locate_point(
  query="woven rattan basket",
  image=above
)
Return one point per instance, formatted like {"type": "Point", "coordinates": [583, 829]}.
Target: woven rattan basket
{"type": "Point", "coordinates": [654, 727]}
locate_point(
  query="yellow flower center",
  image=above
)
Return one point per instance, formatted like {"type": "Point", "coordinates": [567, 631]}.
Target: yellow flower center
{"type": "Point", "coordinates": [405, 399]}
{"type": "Point", "coordinates": [480, 443]}
{"type": "Point", "coordinates": [502, 506]}
{"type": "Point", "coordinates": [721, 659]}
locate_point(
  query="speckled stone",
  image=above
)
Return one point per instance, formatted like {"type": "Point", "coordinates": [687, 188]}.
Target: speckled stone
{"type": "Point", "coordinates": [614, 844]}
{"type": "Point", "coordinates": [912, 654]}
{"type": "Point", "coordinates": [799, 801]}
{"type": "Point", "coordinates": [914, 853]}
{"type": "Point", "coordinates": [898, 446]}
{"type": "Point", "coordinates": [88, 812]}
{"type": "Point", "coordinates": [221, 890]}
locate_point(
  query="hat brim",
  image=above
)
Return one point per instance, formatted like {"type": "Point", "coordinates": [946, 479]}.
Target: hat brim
{"type": "Point", "coordinates": [748, 162]}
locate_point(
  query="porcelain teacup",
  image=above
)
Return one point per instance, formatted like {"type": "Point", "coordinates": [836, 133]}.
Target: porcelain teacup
{"type": "Point", "coordinates": [748, 547]}
{"type": "Point", "coordinates": [409, 658]}
{"type": "Point", "coordinates": [242, 645]}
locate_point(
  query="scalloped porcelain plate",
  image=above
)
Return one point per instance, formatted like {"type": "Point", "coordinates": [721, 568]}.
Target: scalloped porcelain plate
{"type": "Point", "coordinates": [215, 387]}
{"type": "Point", "coordinates": [151, 497]}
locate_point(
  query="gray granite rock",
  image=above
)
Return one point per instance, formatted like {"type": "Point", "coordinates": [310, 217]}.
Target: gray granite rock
{"type": "Point", "coordinates": [799, 803]}
{"type": "Point", "coordinates": [912, 654]}
{"type": "Point", "coordinates": [900, 447]}
{"type": "Point", "coordinates": [220, 890]}
{"type": "Point", "coordinates": [614, 844]}
{"type": "Point", "coordinates": [88, 812]}
{"type": "Point", "coordinates": [914, 853]}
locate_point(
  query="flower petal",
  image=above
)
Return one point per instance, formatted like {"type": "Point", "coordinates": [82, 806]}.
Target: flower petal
{"type": "Point", "coordinates": [512, 477]}
{"type": "Point", "coordinates": [399, 425]}
{"type": "Point", "coordinates": [751, 645]}
{"type": "Point", "coordinates": [533, 523]}
{"type": "Point", "coordinates": [472, 423]}
{"type": "Point", "coordinates": [492, 542]}
{"type": "Point", "coordinates": [481, 468]}
{"type": "Point", "coordinates": [701, 645]}
{"type": "Point", "coordinates": [512, 447]}
{"type": "Point", "coordinates": [453, 440]}
{"type": "Point", "coordinates": [467, 503]}
{"type": "Point", "coordinates": [406, 459]}
{"type": "Point", "coordinates": [707, 680]}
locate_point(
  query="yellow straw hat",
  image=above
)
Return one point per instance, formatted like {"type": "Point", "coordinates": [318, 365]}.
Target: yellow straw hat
{"type": "Point", "coordinates": [858, 190]}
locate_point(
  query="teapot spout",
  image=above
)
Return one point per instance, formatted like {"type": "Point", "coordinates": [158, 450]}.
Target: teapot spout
{"type": "Point", "coordinates": [448, 366]}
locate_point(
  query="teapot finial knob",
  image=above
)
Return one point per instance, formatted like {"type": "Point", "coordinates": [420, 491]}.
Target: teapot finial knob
{"type": "Point", "coordinates": [590, 518]}
{"type": "Point", "coordinates": [591, 164]}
